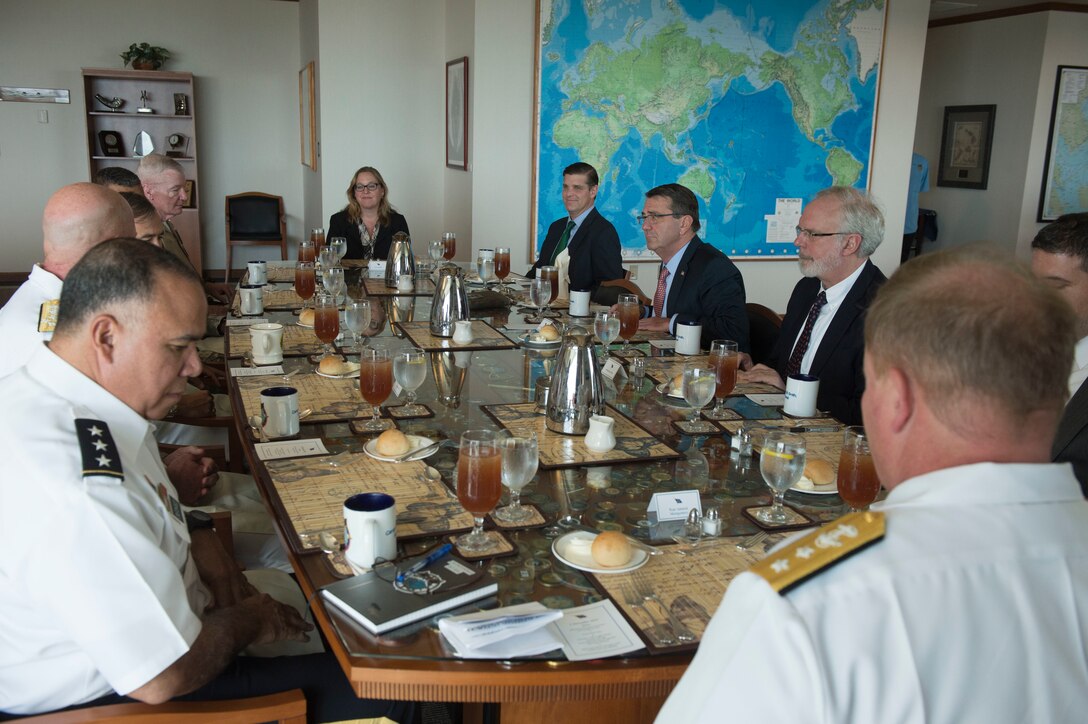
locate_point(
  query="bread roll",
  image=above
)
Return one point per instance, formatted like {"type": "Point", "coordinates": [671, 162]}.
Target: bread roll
{"type": "Point", "coordinates": [549, 333]}
{"type": "Point", "coordinates": [676, 386]}
{"type": "Point", "coordinates": [820, 472]}
{"type": "Point", "coordinates": [306, 317]}
{"type": "Point", "coordinates": [611, 549]}
{"type": "Point", "coordinates": [392, 443]}
{"type": "Point", "coordinates": [332, 366]}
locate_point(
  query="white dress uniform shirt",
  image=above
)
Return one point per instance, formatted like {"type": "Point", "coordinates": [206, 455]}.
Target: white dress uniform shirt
{"type": "Point", "coordinates": [971, 609]}
{"type": "Point", "coordinates": [98, 592]}
{"type": "Point", "coordinates": [19, 318]}
{"type": "Point", "coordinates": [835, 294]}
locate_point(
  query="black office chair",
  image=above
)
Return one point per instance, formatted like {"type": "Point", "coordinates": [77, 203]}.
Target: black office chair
{"type": "Point", "coordinates": [254, 219]}
{"type": "Point", "coordinates": [763, 327]}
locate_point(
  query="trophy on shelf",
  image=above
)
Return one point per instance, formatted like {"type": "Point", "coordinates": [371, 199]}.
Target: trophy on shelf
{"type": "Point", "coordinates": [144, 96]}
{"type": "Point", "coordinates": [181, 104]}
{"type": "Point", "coordinates": [179, 144]}
{"type": "Point", "coordinates": [113, 105]}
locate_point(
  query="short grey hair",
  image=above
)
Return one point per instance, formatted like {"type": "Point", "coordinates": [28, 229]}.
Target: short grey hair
{"type": "Point", "coordinates": [154, 165]}
{"type": "Point", "coordinates": [860, 215]}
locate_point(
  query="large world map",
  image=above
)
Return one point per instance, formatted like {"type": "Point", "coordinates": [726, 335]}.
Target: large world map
{"type": "Point", "coordinates": [752, 104]}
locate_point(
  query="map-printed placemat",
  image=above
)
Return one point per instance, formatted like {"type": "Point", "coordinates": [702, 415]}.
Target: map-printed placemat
{"type": "Point", "coordinates": [312, 493]}
{"type": "Point", "coordinates": [825, 445]}
{"type": "Point", "coordinates": [330, 400]}
{"type": "Point", "coordinates": [298, 341]}
{"type": "Point", "coordinates": [690, 586]}
{"type": "Point", "coordinates": [279, 273]}
{"type": "Point", "coordinates": [661, 369]}
{"type": "Point", "coordinates": [377, 288]}
{"type": "Point", "coordinates": [484, 336]}
{"type": "Point", "coordinates": [633, 443]}
{"type": "Point", "coordinates": [273, 299]}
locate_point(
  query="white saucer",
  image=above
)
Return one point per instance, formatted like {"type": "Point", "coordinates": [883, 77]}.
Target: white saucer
{"type": "Point", "coordinates": [524, 339]}
{"type": "Point", "coordinates": [663, 388]}
{"type": "Point", "coordinates": [353, 371]}
{"type": "Point", "coordinates": [562, 549]}
{"type": "Point", "coordinates": [416, 441]}
{"type": "Point", "coordinates": [827, 489]}
{"type": "Point", "coordinates": [307, 326]}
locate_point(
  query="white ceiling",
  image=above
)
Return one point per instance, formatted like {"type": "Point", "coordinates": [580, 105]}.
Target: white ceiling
{"type": "Point", "coordinates": [940, 9]}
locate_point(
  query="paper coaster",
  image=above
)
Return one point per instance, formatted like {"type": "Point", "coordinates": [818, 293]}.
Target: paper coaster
{"type": "Point", "coordinates": [500, 546]}
{"type": "Point", "coordinates": [535, 520]}
{"type": "Point", "coordinates": [359, 426]}
{"type": "Point", "coordinates": [409, 412]}
{"type": "Point", "coordinates": [797, 519]}
{"type": "Point", "coordinates": [699, 427]}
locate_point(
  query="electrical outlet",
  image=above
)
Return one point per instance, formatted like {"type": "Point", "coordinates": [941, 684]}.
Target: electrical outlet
{"type": "Point", "coordinates": [634, 272]}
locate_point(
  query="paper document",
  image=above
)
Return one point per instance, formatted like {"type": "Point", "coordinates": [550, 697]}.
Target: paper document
{"type": "Point", "coordinates": [595, 631]}
{"type": "Point", "coordinates": [503, 633]}
{"type": "Point", "coordinates": [290, 449]}
{"type": "Point", "coordinates": [256, 371]}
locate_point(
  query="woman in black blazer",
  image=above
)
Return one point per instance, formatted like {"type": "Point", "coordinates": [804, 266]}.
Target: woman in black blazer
{"type": "Point", "coordinates": [368, 216]}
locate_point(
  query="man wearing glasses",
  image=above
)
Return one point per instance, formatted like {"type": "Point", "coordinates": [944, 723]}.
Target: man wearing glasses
{"type": "Point", "coordinates": [697, 283]}
{"type": "Point", "coordinates": [589, 239]}
{"type": "Point", "coordinates": [822, 331]}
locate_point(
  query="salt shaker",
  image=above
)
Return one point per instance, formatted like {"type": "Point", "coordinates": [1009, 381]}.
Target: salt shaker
{"type": "Point", "coordinates": [712, 523]}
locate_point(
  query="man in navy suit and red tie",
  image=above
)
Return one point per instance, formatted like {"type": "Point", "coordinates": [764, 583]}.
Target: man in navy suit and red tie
{"type": "Point", "coordinates": [822, 332]}
{"type": "Point", "coordinates": [589, 238]}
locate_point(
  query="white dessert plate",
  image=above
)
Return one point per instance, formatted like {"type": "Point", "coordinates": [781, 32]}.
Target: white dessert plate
{"type": "Point", "coordinates": [573, 549]}
{"type": "Point", "coordinates": [416, 442]}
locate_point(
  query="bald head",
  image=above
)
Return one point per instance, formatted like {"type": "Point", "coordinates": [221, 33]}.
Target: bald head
{"type": "Point", "coordinates": [77, 218]}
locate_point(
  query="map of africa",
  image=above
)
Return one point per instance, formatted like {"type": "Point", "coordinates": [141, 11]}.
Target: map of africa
{"type": "Point", "coordinates": [752, 104]}
{"type": "Point", "coordinates": [1066, 189]}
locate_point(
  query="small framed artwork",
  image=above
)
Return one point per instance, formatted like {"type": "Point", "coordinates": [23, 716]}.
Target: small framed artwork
{"type": "Point", "coordinates": [306, 116]}
{"type": "Point", "coordinates": [190, 194]}
{"type": "Point", "coordinates": [965, 146]}
{"type": "Point", "coordinates": [457, 113]}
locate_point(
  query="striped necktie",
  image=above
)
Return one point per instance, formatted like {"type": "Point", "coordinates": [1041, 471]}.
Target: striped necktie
{"type": "Point", "coordinates": [794, 365]}
{"type": "Point", "coordinates": [659, 295]}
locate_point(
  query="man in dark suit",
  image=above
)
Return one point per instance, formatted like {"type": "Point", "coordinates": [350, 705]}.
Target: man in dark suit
{"type": "Point", "coordinates": [697, 283]}
{"type": "Point", "coordinates": [1059, 255]}
{"type": "Point", "coordinates": [589, 238]}
{"type": "Point", "coordinates": [823, 331]}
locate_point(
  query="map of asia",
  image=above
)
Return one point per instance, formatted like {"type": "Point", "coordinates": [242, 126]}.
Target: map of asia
{"type": "Point", "coordinates": [752, 104]}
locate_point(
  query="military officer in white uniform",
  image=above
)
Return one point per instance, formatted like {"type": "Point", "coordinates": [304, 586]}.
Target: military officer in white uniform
{"type": "Point", "coordinates": [105, 586]}
{"type": "Point", "coordinates": [960, 598]}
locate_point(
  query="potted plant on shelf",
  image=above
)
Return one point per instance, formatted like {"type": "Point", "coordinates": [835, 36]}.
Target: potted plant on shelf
{"type": "Point", "coordinates": [143, 56]}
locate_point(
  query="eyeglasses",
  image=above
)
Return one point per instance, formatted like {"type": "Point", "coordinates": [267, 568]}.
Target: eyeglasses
{"type": "Point", "coordinates": [366, 187]}
{"type": "Point", "coordinates": [802, 231]}
{"type": "Point", "coordinates": [653, 218]}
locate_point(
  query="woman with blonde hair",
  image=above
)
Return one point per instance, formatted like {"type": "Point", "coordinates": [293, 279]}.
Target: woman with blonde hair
{"type": "Point", "coordinates": [368, 222]}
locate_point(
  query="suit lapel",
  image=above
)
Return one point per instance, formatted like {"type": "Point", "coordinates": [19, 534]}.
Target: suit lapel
{"type": "Point", "coordinates": [1074, 419]}
{"type": "Point", "coordinates": [575, 242]}
{"type": "Point", "coordinates": [848, 311]}
{"type": "Point", "coordinates": [681, 275]}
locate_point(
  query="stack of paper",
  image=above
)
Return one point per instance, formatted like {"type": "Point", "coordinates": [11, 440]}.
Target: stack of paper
{"type": "Point", "coordinates": [503, 633]}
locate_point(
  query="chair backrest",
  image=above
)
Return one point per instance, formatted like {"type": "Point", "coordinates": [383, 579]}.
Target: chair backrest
{"type": "Point", "coordinates": [288, 707]}
{"type": "Point", "coordinates": [255, 216]}
{"type": "Point", "coordinates": [608, 292]}
{"type": "Point", "coordinates": [763, 328]}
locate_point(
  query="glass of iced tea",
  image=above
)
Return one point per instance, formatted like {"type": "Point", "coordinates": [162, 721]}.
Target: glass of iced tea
{"type": "Point", "coordinates": [628, 309]}
{"type": "Point", "coordinates": [306, 251]}
{"type": "Point", "coordinates": [479, 483]}
{"type": "Point", "coordinates": [551, 273]}
{"type": "Point", "coordinates": [375, 382]}
{"type": "Point", "coordinates": [304, 281]}
{"type": "Point", "coordinates": [724, 357]}
{"type": "Point", "coordinates": [502, 263]}
{"type": "Point", "coordinates": [858, 483]}
{"type": "Point", "coordinates": [317, 236]}
{"type": "Point", "coordinates": [326, 321]}
{"type": "Point", "coordinates": [449, 243]}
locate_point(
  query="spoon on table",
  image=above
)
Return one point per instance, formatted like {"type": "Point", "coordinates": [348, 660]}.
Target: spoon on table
{"type": "Point", "coordinates": [255, 425]}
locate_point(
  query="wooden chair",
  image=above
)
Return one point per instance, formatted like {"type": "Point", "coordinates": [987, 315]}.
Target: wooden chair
{"type": "Point", "coordinates": [288, 707]}
{"type": "Point", "coordinates": [763, 327]}
{"type": "Point", "coordinates": [608, 292]}
{"type": "Point", "coordinates": [254, 219]}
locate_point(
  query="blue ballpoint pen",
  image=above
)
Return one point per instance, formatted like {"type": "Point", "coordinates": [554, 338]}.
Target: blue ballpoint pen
{"type": "Point", "coordinates": [421, 564]}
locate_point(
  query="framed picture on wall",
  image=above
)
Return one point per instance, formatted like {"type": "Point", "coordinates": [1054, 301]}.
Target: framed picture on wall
{"type": "Point", "coordinates": [1065, 187]}
{"type": "Point", "coordinates": [190, 194]}
{"type": "Point", "coordinates": [306, 113]}
{"type": "Point", "coordinates": [965, 146]}
{"type": "Point", "coordinates": [457, 113]}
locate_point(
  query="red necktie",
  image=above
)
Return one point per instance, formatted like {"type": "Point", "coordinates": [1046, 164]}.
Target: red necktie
{"type": "Point", "coordinates": [794, 365]}
{"type": "Point", "coordinates": [659, 295]}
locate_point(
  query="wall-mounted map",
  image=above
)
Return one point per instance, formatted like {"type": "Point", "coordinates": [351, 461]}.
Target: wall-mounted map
{"type": "Point", "coordinates": [753, 104]}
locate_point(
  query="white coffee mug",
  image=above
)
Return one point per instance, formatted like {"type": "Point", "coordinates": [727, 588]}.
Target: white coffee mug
{"type": "Point", "coordinates": [370, 529]}
{"type": "Point", "coordinates": [258, 272]}
{"type": "Point", "coordinates": [579, 303]}
{"type": "Point", "coordinates": [688, 337]}
{"type": "Point", "coordinates": [252, 299]}
{"type": "Point", "coordinates": [279, 411]}
{"type": "Point", "coordinates": [462, 332]}
{"type": "Point", "coordinates": [404, 283]}
{"type": "Point", "coordinates": [801, 395]}
{"type": "Point", "coordinates": [267, 342]}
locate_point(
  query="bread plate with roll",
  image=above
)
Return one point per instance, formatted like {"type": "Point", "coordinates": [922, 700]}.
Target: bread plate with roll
{"type": "Point", "coordinates": [672, 392]}
{"type": "Point", "coordinates": [546, 337]}
{"type": "Point", "coordinates": [306, 318]}
{"type": "Point", "coordinates": [391, 445]}
{"type": "Point", "coordinates": [336, 368]}
{"type": "Point", "coordinates": [819, 478]}
{"type": "Point", "coordinates": [608, 552]}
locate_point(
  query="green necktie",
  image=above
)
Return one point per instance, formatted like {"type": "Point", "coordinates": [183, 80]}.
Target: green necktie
{"type": "Point", "coordinates": [563, 241]}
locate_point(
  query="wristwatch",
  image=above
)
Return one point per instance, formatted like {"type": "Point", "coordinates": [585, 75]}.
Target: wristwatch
{"type": "Point", "coordinates": [199, 520]}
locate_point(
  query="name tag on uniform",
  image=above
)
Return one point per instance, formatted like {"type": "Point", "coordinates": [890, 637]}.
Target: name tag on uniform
{"type": "Point", "coordinates": [47, 315]}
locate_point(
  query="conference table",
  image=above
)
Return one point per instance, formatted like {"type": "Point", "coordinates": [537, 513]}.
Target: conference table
{"type": "Point", "coordinates": [414, 663]}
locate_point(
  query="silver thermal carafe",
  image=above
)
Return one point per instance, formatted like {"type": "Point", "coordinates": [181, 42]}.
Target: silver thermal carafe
{"type": "Point", "coordinates": [576, 392]}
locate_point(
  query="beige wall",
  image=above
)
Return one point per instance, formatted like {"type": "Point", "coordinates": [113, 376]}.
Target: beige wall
{"type": "Point", "coordinates": [244, 54]}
